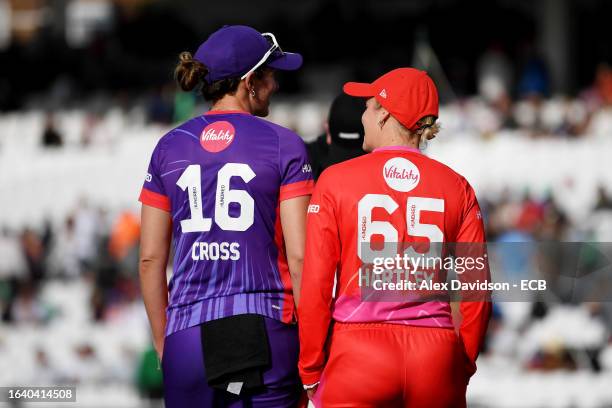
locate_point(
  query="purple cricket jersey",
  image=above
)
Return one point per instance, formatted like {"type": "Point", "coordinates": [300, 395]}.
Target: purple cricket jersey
{"type": "Point", "coordinates": [222, 176]}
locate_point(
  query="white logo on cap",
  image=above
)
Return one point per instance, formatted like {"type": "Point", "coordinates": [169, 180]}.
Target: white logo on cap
{"type": "Point", "coordinates": [401, 174]}
{"type": "Point", "coordinates": [383, 93]}
{"type": "Point", "coordinates": [348, 136]}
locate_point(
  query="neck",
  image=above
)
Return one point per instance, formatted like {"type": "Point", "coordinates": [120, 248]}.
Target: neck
{"type": "Point", "coordinates": [398, 140]}
{"type": "Point", "coordinates": [231, 103]}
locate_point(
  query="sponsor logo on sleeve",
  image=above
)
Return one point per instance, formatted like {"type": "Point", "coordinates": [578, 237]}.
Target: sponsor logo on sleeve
{"type": "Point", "coordinates": [313, 208]}
{"type": "Point", "coordinates": [148, 177]}
{"type": "Point", "coordinates": [307, 168]}
{"type": "Point", "coordinates": [401, 174]}
{"type": "Point", "coordinates": [217, 136]}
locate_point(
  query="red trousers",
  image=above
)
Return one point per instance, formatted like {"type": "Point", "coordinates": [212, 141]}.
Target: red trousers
{"type": "Point", "coordinates": [390, 365]}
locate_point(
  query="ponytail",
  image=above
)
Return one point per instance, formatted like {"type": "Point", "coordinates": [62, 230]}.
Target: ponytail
{"type": "Point", "coordinates": [189, 73]}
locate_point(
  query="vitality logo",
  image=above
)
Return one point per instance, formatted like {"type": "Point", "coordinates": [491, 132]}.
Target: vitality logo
{"type": "Point", "coordinates": [401, 174]}
{"type": "Point", "coordinates": [217, 136]}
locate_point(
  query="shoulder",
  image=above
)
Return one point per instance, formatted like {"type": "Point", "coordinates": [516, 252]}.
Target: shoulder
{"type": "Point", "coordinates": [184, 134]}
{"type": "Point", "coordinates": [284, 134]}
{"type": "Point", "coordinates": [449, 175]}
{"type": "Point", "coordinates": [455, 185]}
{"type": "Point", "coordinates": [190, 128]}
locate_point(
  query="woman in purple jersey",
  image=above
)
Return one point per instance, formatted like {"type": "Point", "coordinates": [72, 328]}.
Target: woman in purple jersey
{"type": "Point", "coordinates": [224, 327]}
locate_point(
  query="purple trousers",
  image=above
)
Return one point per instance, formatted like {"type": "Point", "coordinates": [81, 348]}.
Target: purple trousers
{"type": "Point", "coordinates": [185, 383]}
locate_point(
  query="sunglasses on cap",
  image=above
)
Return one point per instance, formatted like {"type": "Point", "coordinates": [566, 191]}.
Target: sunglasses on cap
{"type": "Point", "coordinates": [273, 48]}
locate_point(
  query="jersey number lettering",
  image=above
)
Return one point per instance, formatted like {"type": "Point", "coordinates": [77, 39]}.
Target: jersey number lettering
{"type": "Point", "coordinates": [415, 228]}
{"type": "Point", "coordinates": [191, 182]}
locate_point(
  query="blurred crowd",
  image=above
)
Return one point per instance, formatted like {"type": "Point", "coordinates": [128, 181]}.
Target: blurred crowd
{"type": "Point", "coordinates": [567, 328]}
{"type": "Point", "coordinates": [88, 245]}
{"type": "Point", "coordinates": [507, 101]}
{"type": "Point", "coordinates": [81, 274]}
{"type": "Point", "coordinates": [498, 110]}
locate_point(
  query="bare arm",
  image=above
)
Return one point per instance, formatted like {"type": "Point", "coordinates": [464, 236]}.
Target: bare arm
{"type": "Point", "coordinates": [293, 222]}
{"type": "Point", "coordinates": [155, 237]}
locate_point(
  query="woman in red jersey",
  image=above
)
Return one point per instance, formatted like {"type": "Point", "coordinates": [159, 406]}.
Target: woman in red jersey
{"type": "Point", "coordinates": [359, 352]}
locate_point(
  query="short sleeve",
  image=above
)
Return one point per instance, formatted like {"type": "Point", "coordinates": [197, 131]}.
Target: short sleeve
{"type": "Point", "coordinates": [295, 168]}
{"type": "Point", "coordinates": [153, 192]}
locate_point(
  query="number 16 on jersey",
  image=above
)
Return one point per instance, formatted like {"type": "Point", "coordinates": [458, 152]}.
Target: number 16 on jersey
{"type": "Point", "coordinates": [191, 182]}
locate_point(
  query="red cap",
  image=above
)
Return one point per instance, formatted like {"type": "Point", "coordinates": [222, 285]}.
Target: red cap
{"type": "Point", "coordinates": [407, 93]}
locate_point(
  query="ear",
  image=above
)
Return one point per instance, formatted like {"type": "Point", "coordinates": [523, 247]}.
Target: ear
{"type": "Point", "coordinates": [383, 114]}
{"type": "Point", "coordinates": [249, 81]}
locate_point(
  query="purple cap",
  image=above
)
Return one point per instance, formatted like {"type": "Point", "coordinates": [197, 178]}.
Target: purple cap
{"type": "Point", "coordinates": [234, 50]}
